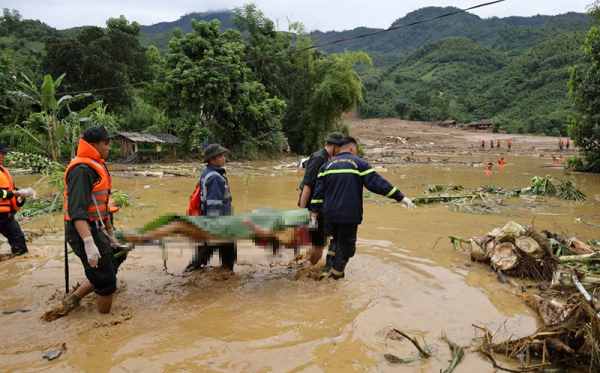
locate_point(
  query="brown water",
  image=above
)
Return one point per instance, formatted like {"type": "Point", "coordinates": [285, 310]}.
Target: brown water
{"type": "Point", "coordinates": [263, 319]}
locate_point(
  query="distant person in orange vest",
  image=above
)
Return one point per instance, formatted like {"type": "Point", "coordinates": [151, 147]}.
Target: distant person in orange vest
{"type": "Point", "coordinates": [11, 200]}
{"type": "Point", "coordinates": [498, 144]}
{"type": "Point", "coordinates": [568, 142]}
{"type": "Point", "coordinates": [501, 161]}
{"type": "Point", "coordinates": [554, 160]}
{"type": "Point", "coordinates": [560, 144]}
{"type": "Point", "coordinates": [509, 144]}
{"type": "Point", "coordinates": [482, 144]}
{"type": "Point", "coordinates": [492, 143]}
{"type": "Point", "coordinates": [488, 168]}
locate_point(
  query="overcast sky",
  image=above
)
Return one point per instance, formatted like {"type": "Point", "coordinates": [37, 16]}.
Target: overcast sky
{"type": "Point", "coordinates": [324, 15]}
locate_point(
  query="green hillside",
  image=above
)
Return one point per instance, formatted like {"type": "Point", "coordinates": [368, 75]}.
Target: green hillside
{"type": "Point", "coordinates": [530, 93]}
{"type": "Point", "coordinates": [463, 67]}
{"type": "Point", "coordinates": [512, 34]}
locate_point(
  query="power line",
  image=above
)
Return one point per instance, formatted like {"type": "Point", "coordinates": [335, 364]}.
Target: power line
{"type": "Point", "coordinates": [193, 72]}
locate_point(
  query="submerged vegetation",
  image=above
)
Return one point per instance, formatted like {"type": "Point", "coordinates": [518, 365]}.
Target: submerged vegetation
{"type": "Point", "coordinates": [570, 334]}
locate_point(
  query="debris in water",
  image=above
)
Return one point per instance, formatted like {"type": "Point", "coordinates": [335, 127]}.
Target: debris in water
{"type": "Point", "coordinates": [51, 355]}
{"type": "Point", "coordinates": [17, 310]}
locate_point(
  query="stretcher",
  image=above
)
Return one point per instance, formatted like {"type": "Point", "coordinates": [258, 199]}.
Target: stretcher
{"type": "Point", "coordinates": [269, 228]}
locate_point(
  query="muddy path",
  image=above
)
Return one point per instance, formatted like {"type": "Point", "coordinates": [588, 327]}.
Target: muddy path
{"type": "Point", "coordinates": [271, 315]}
{"type": "Point", "coordinates": [401, 137]}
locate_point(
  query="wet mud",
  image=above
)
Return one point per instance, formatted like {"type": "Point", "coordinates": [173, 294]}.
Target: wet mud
{"type": "Point", "coordinates": [273, 314]}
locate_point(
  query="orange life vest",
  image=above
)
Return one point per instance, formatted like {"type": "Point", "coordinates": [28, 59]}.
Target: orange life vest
{"type": "Point", "coordinates": [509, 143]}
{"type": "Point", "coordinates": [7, 206]}
{"type": "Point", "coordinates": [488, 167]}
{"type": "Point", "coordinates": [501, 161]}
{"type": "Point", "coordinates": [98, 208]}
{"type": "Point", "coordinates": [195, 207]}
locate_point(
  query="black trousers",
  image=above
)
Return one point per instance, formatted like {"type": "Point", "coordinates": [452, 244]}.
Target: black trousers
{"type": "Point", "coordinates": [227, 253]}
{"type": "Point", "coordinates": [344, 246]}
{"type": "Point", "coordinates": [16, 239]}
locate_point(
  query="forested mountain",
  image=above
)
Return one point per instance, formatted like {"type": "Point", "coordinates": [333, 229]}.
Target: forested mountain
{"type": "Point", "coordinates": [506, 34]}
{"type": "Point", "coordinates": [460, 79]}
{"type": "Point", "coordinates": [461, 67]}
{"type": "Point", "coordinates": [159, 34]}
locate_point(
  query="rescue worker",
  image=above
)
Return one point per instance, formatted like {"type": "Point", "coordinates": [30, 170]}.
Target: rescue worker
{"type": "Point", "coordinates": [501, 161]}
{"type": "Point", "coordinates": [498, 144]}
{"type": "Point", "coordinates": [568, 143]}
{"type": "Point", "coordinates": [339, 194]}
{"type": "Point", "coordinates": [318, 235]}
{"type": "Point", "coordinates": [88, 227]}
{"type": "Point", "coordinates": [560, 144]}
{"type": "Point", "coordinates": [215, 200]}
{"type": "Point", "coordinates": [488, 168]}
{"type": "Point", "coordinates": [11, 199]}
{"type": "Point", "coordinates": [482, 144]}
{"type": "Point", "coordinates": [509, 144]}
{"type": "Point", "coordinates": [492, 143]}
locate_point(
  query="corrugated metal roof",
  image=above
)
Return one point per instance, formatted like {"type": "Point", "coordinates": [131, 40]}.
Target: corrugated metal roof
{"type": "Point", "coordinates": [152, 138]}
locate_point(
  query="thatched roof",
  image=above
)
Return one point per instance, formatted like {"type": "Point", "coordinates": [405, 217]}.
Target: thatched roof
{"type": "Point", "coordinates": [486, 122]}
{"type": "Point", "coordinates": [449, 122]}
{"type": "Point", "coordinates": [151, 138]}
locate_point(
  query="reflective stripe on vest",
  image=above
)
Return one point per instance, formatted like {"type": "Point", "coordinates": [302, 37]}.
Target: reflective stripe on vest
{"type": "Point", "coordinates": [7, 206]}
{"type": "Point", "coordinates": [212, 202]}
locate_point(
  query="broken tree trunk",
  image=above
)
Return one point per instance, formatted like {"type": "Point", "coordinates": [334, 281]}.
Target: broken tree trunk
{"type": "Point", "coordinates": [529, 246]}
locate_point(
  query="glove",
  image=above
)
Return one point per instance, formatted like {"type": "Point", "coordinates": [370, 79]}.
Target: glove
{"type": "Point", "coordinates": [314, 225]}
{"type": "Point", "coordinates": [91, 251]}
{"type": "Point", "coordinates": [27, 192]}
{"type": "Point", "coordinates": [408, 203]}
{"type": "Point", "coordinates": [113, 239]}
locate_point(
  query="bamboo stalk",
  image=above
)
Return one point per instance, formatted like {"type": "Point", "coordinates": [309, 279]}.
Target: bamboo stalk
{"type": "Point", "coordinates": [585, 258]}
{"type": "Point", "coordinates": [415, 343]}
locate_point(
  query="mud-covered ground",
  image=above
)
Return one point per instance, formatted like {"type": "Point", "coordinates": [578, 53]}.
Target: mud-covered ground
{"type": "Point", "coordinates": [406, 137]}
{"type": "Point", "coordinates": [272, 315]}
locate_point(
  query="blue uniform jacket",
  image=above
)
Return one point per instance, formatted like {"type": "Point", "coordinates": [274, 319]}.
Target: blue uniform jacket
{"type": "Point", "coordinates": [215, 195]}
{"type": "Point", "coordinates": [339, 189]}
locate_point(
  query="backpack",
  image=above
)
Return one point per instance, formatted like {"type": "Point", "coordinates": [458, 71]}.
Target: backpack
{"type": "Point", "coordinates": [195, 205]}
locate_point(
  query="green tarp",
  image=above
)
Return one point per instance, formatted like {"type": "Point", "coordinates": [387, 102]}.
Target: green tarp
{"type": "Point", "coordinates": [232, 226]}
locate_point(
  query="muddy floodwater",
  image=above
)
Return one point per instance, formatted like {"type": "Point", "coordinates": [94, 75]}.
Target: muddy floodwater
{"type": "Point", "coordinates": [270, 316]}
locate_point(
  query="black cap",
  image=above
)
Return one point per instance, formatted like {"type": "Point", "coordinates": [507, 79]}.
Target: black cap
{"type": "Point", "coordinates": [335, 137]}
{"type": "Point", "coordinates": [96, 133]}
{"type": "Point", "coordinates": [4, 148]}
{"type": "Point", "coordinates": [212, 151]}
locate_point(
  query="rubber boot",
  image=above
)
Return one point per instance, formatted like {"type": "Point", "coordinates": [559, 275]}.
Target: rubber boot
{"type": "Point", "coordinates": [228, 254]}
{"type": "Point", "coordinates": [20, 247]}
{"type": "Point", "coordinates": [339, 265]}
{"type": "Point", "coordinates": [199, 259]}
{"type": "Point", "coordinates": [330, 257]}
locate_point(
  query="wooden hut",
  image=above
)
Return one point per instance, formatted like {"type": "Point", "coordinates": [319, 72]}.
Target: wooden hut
{"type": "Point", "coordinates": [483, 124]}
{"type": "Point", "coordinates": [449, 123]}
{"type": "Point", "coordinates": [128, 141]}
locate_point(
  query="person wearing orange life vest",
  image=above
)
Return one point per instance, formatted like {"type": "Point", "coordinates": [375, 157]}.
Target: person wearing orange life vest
{"type": "Point", "coordinates": [501, 161]}
{"type": "Point", "coordinates": [488, 168]}
{"type": "Point", "coordinates": [11, 199]}
{"type": "Point", "coordinates": [498, 144]}
{"type": "Point", "coordinates": [88, 228]}
{"type": "Point", "coordinates": [509, 144]}
{"type": "Point", "coordinates": [568, 143]}
{"type": "Point", "coordinates": [482, 144]}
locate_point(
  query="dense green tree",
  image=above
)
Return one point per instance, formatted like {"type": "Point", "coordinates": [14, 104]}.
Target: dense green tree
{"type": "Point", "coordinates": [584, 88]}
{"type": "Point", "coordinates": [318, 89]}
{"type": "Point", "coordinates": [262, 41]}
{"type": "Point", "coordinates": [98, 60]}
{"type": "Point", "coordinates": [45, 98]}
{"type": "Point", "coordinates": [217, 95]}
